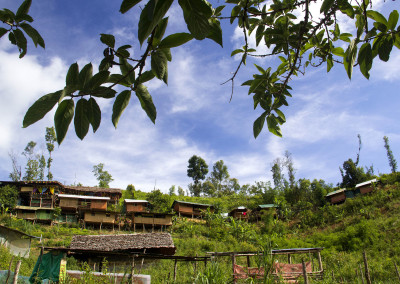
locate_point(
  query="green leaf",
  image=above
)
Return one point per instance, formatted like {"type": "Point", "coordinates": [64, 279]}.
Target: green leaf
{"type": "Point", "coordinates": [326, 5]}
{"type": "Point", "coordinates": [98, 79]}
{"type": "Point", "coordinates": [197, 14]}
{"type": "Point", "coordinates": [280, 114]}
{"type": "Point", "coordinates": [158, 64]}
{"type": "Point", "coordinates": [126, 5]}
{"type": "Point", "coordinates": [94, 114]}
{"type": "Point", "coordinates": [350, 58]}
{"type": "Point", "coordinates": [85, 75]}
{"type": "Point", "coordinates": [236, 51]}
{"type": "Point", "coordinates": [21, 42]}
{"type": "Point", "coordinates": [151, 15]}
{"type": "Point", "coordinates": [175, 40]}
{"type": "Point", "coordinates": [121, 102]}
{"type": "Point", "coordinates": [167, 53]}
{"type": "Point", "coordinates": [378, 17]}
{"type": "Point", "coordinates": [127, 70]}
{"type": "Point", "coordinates": [365, 59]}
{"type": "Point", "coordinates": [259, 124]}
{"type": "Point", "coordinates": [108, 40]}
{"type": "Point", "coordinates": [103, 92]}
{"type": "Point", "coordinates": [338, 51]}
{"type": "Point", "coordinates": [118, 79]}
{"type": "Point", "coordinates": [146, 76]}
{"type": "Point", "coordinates": [385, 48]}
{"type": "Point", "coordinates": [73, 75]}
{"type": "Point", "coordinates": [81, 120]}
{"type": "Point", "coordinates": [11, 37]}
{"type": "Point", "coordinates": [215, 33]}
{"type": "Point", "coordinates": [63, 118]}
{"type": "Point", "coordinates": [159, 31]}
{"type": "Point", "coordinates": [329, 62]}
{"type": "Point", "coordinates": [146, 102]}
{"type": "Point", "coordinates": [39, 108]}
{"type": "Point", "coordinates": [33, 34]}
{"type": "Point", "coordinates": [273, 126]}
{"type": "Point", "coordinates": [3, 31]}
{"type": "Point", "coordinates": [393, 19]}
{"type": "Point", "coordinates": [24, 8]}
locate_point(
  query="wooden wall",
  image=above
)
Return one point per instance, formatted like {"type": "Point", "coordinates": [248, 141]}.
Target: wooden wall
{"type": "Point", "coordinates": [133, 207]}
{"type": "Point", "coordinates": [99, 204]}
{"type": "Point", "coordinates": [68, 203]}
{"type": "Point", "coordinates": [338, 198]}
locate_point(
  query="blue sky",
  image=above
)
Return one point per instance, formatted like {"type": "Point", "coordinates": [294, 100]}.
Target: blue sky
{"type": "Point", "coordinates": [194, 115]}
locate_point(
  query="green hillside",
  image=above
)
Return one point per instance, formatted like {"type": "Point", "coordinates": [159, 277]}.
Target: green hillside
{"type": "Point", "coordinates": [369, 223]}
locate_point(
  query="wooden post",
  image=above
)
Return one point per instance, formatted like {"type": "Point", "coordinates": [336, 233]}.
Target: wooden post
{"type": "Point", "coordinates": [233, 267]}
{"type": "Point", "coordinates": [304, 272]}
{"type": "Point", "coordinates": [397, 271]}
{"type": "Point", "coordinates": [320, 261]}
{"type": "Point", "coordinates": [9, 269]}
{"type": "Point", "coordinates": [141, 265]}
{"type": "Point", "coordinates": [289, 258]}
{"type": "Point", "coordinates": [248, 261]}
{"type": "Point", "coordinates": [175, 267]}
{"type": "Point", "coordinates": [367, 276]}
{"type": "Point", "coordinates": [361, 272]}
{"type": "Point", "coordinates": [15, 279]}
{"type": "Point", "coordinates": [133, 270]}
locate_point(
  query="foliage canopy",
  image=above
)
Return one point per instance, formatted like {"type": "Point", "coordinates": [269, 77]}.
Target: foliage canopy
{"type": "Point", "coordinates": [288, 28]}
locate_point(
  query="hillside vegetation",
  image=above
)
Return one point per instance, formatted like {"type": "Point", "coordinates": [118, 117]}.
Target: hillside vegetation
{"type": "Point", "coordinates": [369, 223]}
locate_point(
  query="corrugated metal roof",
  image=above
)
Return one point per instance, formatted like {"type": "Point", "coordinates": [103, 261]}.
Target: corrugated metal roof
{"type": "Point", "coordinates": [267, 206]}
{"type": "Point", "coordinates": [32, 208]}
{"type": "Point", "coordinates": [366, 182]}
{"type": "Point", "coordinates": [135, 201]}
{"type": "Point", "coordinates": [191, 203]}
{"type": "Point", "coordinates": [335, 192]}
{"type": "Point", "coordinates": [83, 197]}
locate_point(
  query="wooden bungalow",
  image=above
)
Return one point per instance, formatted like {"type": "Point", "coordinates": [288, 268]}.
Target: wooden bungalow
{"type": "Point", "coordinates": [35, 214]}
{"type": "Point", "coordinates": [134, 205]}
{"type": "Point", "coordinates": [366, 187]}
{"type": "Point", "coordinates": [337, 196]}
{"type": "Point", "coordinates": [113, 193]}
{"type": "Point", "coordinates": [241, 213]}
{"type": "Point", "coordinates": [151, 220]}
{"type": "Point", "coordinates": [190, 209]}
{"type": "Point", "coordinates": [100, 218]}
{"type": "Point", "coordinates": [257, 213]}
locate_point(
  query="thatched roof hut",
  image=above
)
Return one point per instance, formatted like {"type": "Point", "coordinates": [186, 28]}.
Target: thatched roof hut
{"type": "Point", "coordinates": [153, 243]}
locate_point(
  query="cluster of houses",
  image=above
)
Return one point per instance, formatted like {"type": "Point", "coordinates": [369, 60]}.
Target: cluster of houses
{"type": "Point", "coordinates": [51, 201]}
{"type": "Point", "coordinates": [339, 196]}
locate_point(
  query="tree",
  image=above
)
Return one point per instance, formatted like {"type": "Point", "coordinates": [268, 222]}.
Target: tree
{"type": "Point", "coordinates": [102, 176]}
{"type": "Point", "coordinates": [310, 39]}
{"type": "Point", "coordinates": [392, 160]}
{"type": "Point", "coordinates": [161, 202]}
{"type": "Point", "coordinates": [8, 196]}
{"type": "Point", "coordinates": [290, 169]}
{"type": "Point", "coordinates": [171, 191]}
{"type": "Point", "coordinates": [352, 175]}
{"type": "Point", "coordinates": [220, 176]}
{"type": "Point", "coordinates": [197, 169]}
{"type": "Point", "coordinates": [32, 168]}
{"type": "Point", "coordinates": [50, 138]}
{"type": "Point", "coordinates": [181, 192]}
{"type": "Point", "coordinates": [130, 192]}
{"type": "Point", "coordinates": [16, 174]}
{"type": "Point", "coordinates": [277, 175]}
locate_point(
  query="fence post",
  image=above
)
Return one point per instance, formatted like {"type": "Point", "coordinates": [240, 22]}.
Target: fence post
{"type": "Point", "coordinates": [133, 269]}
{"type": "Point", "coordinates": [175, 267]}
{"type": "Point", "coordinates": [15, 280]}
{"type": "Point", "coordinates": [397, 271]}
{"type": "Point", "coordinates": [367, 276]}
{"type": "Point", "coordinates": [304, 272]}
{"type": "Point", "coordinates": [9, 269]}
{"type": "Point", "coordinates": [233, 267]}
{"type": "Point", "coordinates": [361, 273]}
